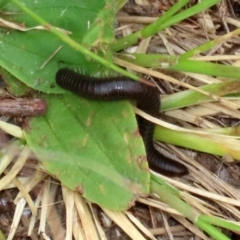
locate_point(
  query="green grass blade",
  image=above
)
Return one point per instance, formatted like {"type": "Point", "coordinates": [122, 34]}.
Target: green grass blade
{"type": "Point", "coordinates": [207, 68]}
{"type": "Point", "coordinates": [220, 222]}
{"type": "Point", "coordinates": [191, 97]}
{"type": "Point", "coordinates": [163, 22]}
{"type": "Point", "coordinates": [208, 45]}
{"type": "Point", "coordinates": [173, 200]}
{"type": "Point", "coordinates": [172, 63]}
{"type": "Point", "coordinates": [199, 7]}
{"type": "Point", "coordinates": [149, 30]}
{"type": "Point", "coordinates": [228, 131]}
{"type": "Point", "coordinates": [164, 184]}
{"type": "Point", "coordinates": [211, 230]}
{"type": "Point", "coordinates": [208, 143]}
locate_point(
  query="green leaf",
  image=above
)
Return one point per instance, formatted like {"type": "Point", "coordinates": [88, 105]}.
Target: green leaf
{"type": "Point", "coordinates": [98, 35]}
{"type": "Point", "coordinates": [93, 148]}
{"type": "Point", "coordinates": [78, 145]}
{"type": "Point", "coordinates": [33, 48]}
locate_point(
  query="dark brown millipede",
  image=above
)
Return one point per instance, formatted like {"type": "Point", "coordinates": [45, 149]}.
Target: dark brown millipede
{"type": "Point", "coordinates": [122, 88]}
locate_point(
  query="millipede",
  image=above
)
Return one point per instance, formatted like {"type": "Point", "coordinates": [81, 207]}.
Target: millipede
{"type": "Point", "coordinates": [122, 88]}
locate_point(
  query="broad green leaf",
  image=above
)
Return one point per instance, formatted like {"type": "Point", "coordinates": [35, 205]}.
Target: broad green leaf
{"type": "Point", "coordinates": [77, 144]}
{"type": "Point", "coordinates": [91, 147]}
{"type": "Point", "coordinates": [32, 49]}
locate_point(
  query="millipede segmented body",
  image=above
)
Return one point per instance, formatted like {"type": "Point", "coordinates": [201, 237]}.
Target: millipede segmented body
{"type": "Point", "coordinates": [122, 88]}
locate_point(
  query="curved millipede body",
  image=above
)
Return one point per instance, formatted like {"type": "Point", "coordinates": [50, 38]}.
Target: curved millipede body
{"type": "Point", "coordinates": [121, 88]}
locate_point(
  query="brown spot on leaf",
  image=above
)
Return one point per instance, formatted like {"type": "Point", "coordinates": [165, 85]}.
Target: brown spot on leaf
{"type": "Point", "coordinates": [125, 137]}
{"type": "Point", "coordinates": [85, 141]}
{"type": "Point", "coordinates": [79, 189]}
{"type": "Point", "coordinates": [136, 133]}
{"type": "Point", "coordinates": [142, 162]}
{"type": "Point", "coordinates": [125, 113]}
{"type": "Point", "coordinates": [89, 119]}
{"type": "Point", "coordinates": [102, 188]}
{"type": "Point", "coordinates": [136, 189]}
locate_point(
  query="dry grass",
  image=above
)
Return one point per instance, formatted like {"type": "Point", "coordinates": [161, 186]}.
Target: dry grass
{"type": "Point", "coordinates": [58, 213]}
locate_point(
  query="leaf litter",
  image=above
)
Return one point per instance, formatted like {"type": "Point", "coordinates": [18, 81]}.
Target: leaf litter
{"type": "Point", "coordinates": [209, 191]}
